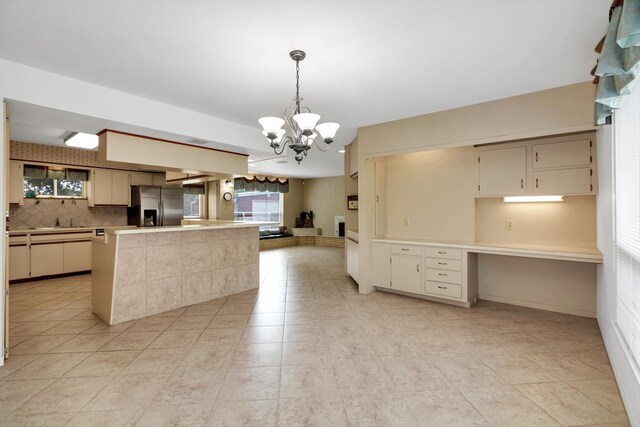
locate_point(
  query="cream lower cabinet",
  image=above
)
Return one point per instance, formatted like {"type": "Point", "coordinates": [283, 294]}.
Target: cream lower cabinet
{"type": "Point", "coordinates": [424, 270]}
{"type": "Point", "coordinates": [76, 257]}
{"type": "Point", "coordinates": [352, 259]}
{"type": "Point", "coordinates": [18, 261]}
{"type": "Point", "coordinates": [46, 259]}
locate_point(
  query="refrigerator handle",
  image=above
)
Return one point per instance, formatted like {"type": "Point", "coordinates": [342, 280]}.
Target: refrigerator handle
{"type": "Point", "coordinates": [161, 221]}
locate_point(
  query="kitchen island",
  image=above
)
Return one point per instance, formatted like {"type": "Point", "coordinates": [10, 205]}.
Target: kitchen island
{"type": "Point", "coordinates": [145, 271]}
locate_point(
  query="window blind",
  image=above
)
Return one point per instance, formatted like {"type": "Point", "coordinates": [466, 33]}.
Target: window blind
{"type": "Point", "coordinates": [627, 222]}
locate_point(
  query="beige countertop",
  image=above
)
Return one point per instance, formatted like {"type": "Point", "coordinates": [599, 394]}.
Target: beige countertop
{"type": "Point", "coordinates": [217, 225]}
{"type": "Point", "coordinates": [563, 253]}
{"type": "Point", "coordinates": [58, 230]}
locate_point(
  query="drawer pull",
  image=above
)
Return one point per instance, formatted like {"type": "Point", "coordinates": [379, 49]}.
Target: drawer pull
{"type": "Point", "coordinates": [443, 252]}
{"type": "Point", "coordinates": [442, 287]}
{"type": "Point", "coordinates": [442, 274]}
{"type": "Point", "coordinates": [443, 263]}
{"type": "Point", "coordinates": [418, 268]}
{"type": "Point", "coordinates": [521, 183]}
{"type": "Point", "coordinates": [404, 249]}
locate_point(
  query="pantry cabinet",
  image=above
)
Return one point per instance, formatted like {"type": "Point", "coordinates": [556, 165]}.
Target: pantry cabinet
{"type": "Point", "coordinates": [109, 188]}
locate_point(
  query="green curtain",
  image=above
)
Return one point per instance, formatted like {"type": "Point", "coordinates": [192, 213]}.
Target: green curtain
{"type": "Point", "coordinates": [256, 184]}
{"type": "Point", "coordinates": [193, 189]}
{"type": "Point", "coordinates": [43, 172]}
{"type": "Point", "coordinates": [619, 62]}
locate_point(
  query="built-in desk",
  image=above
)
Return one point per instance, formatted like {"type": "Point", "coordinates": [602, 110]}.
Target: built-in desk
{"type": "Point", "coordinates": [557, 278]}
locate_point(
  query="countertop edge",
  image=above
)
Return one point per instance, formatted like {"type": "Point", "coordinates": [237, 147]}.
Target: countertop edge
{"type": "Point", "coordinates": [179, 228]}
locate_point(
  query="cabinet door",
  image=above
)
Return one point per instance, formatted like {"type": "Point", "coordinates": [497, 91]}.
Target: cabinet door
{"type": "Point", "coordinates": [76, 256]}
{"type": "Point", "coordinates": [16, 178]}
{"type": "Point", "coordinates": [381, 265]}
{"type": "Point", "coordinates": [380, 218]}
{"type": "Point", "coordinates": [101, 186]}
{"type": "Point", "coordinates": [120, 188]}
{"type": "Point", "coordinates": [352, 259]}
{"type": "Point", "coordinates": [353, 158]}
{"type": "Point", "coordinates": [159, 179]}
{"type": "Point", "coordinates": [562, 181]}
{"type": "Point", "coordinates": [18, 262]}
{"type": "Point", "coordinates": [141, 178]}
{"type": "Point", "coordinates": [46, 259]}
{"type": "Point", "coordinates": [503, 172]}
{"type": "Point", "coordinates": [406, 273]}
{"type": "Point", "coordinates": [562, 154]}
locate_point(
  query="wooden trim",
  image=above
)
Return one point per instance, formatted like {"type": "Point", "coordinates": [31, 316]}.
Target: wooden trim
{"type": "Point", "coordinates": [11, 245]}
{"type": "Point", "coordinates": [18, 235]}
{"type": "Point", "coordinates": [89, 168]}
{"type": "Point", "coordinates": [46, 243]}
{"type": "Point", "coordinates": [188, 177]}
{"type": "Point", "coordinates": [51, 276]}
{"type": "Point", "coordinates": [170, 142]}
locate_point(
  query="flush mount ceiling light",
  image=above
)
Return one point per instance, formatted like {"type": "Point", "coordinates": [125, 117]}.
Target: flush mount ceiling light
{"type": "Point", "coordinates": [532, 199]}
{"type": "Point", "coordinates": [301, 121]}
{"type": "Point", "coordinates": [82, 140]}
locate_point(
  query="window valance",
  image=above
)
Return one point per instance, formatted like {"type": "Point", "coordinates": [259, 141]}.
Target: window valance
{"type": "Point", "coordinates": [619, 63]}
{"type": "Point", "coordinates": [196, 189]}
{"type": "Point", "coordinates": [44, 172]}
{"type": "Point", "coordinates": [276, 185]}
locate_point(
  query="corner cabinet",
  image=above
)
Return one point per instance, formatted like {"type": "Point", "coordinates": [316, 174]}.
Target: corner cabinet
{"type": "Point", "coordinates": [108, 188]}
{"type": "Point", "coordinates": [431, 272]}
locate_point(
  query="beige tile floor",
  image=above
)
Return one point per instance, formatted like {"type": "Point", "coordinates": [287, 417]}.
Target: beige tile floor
{"type": "Point", "coordinates": [306, 350]}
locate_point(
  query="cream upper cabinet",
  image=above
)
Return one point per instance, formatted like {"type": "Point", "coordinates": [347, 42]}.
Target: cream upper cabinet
{"type": "Point", "coordinates": [381, 269]}
{"type": "Point", "coordinates": [109, 188]}
{"type": "Point", "coordinates": [562, 181]}
{"type": "Point", "coordinates": [141, 178]}
{"type": "Point", "coordinates": [16, 184]}
{"type": "Point", "coordinates": [562, 154]}
{"type": "Point", "coordinates": [353, 158]}
{"type": "Point", "coordinates": [563, 168]}
{"type": "Point", "coordinates": [159, 179]}
{"type": "Point", "coordinates": [503, 172]}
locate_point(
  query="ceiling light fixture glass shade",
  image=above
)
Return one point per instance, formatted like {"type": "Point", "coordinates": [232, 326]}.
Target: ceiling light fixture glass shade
{"type": "Point", "coordinates": [82, 140]}
{"type": "Point", "coordinates": [301, 122]}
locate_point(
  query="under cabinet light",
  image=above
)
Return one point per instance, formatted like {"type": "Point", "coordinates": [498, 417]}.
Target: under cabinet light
{"type": "Point", "coordinates": [82, 140]}
{"type": "Point", "coordinates": [532, 199]}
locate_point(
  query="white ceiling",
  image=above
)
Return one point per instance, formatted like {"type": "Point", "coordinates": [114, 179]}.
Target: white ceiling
{"type": "Point", "coordinates": [367, 61]}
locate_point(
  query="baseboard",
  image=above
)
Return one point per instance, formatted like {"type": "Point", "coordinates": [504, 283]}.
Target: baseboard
{"type": "Point", "coordinates": [547, 307]}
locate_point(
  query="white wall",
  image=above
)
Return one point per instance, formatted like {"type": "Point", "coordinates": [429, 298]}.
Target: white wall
{"type": "Point", "coordinates": [620, 361]}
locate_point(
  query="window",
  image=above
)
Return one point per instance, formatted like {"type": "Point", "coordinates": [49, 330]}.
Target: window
{"type": "Point", "coordinates": [49, 187]}
{"type": "Point", "coordinates": [257, 206]}
{"type": "Point", "coordinates": [627, 222]}
{"type": "Point", "coordinates": [192, 205]}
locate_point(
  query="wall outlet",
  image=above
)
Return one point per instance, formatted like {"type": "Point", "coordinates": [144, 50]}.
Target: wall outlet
{"type": "Point", "coordinates": [406, 222]}
{"type": "Point", "coordinates": [509, 224]}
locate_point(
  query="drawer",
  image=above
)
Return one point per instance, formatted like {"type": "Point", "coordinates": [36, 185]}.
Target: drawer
{"type": "Point", "coordinates": [62, 236]}
{"type": "Point", "coordinates": [444, 276]}
{"type": "Point", "coordinates": [444, 253]}
{"type": "Point", "coordinates": [444, 264]}
{"type": "Point", "coordinates": [19, 238]}
{"type": "Point", "coordinates": [406, 250]}
{"type": "Point", "coordinates": [443, 289]}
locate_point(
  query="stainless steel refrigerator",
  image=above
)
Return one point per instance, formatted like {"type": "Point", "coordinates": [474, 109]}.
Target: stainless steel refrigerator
{"type": "Point", "coordinates": [153, 206]}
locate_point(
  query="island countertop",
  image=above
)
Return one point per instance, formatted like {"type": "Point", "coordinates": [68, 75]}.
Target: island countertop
{"type": "Point", "coordinates": [210, 225]}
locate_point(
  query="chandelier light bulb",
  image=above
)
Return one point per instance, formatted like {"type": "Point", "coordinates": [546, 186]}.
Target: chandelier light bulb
{"type": "Point", "coordinates": [327, 131]}
{"type": "Point", "coordinates": [306, 122]}
{"type": "Point", "coordinates": [278, 135]}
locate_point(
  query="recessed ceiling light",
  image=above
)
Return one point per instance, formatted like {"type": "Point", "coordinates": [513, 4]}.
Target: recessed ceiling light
{"type": "Point", "coordinates": [250, 160]}
{"type": "Point", "coordinates": [82, 140]}
{"type": "Point", "coordinates": [340, 151]}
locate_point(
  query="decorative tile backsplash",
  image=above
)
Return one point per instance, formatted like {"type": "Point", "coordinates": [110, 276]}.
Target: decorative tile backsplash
{"type": "Point", "coordinates": [43, 213]}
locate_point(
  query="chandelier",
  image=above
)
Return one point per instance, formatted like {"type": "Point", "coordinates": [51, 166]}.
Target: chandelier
{"type": "Point", "coordinates": [301, 121]}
